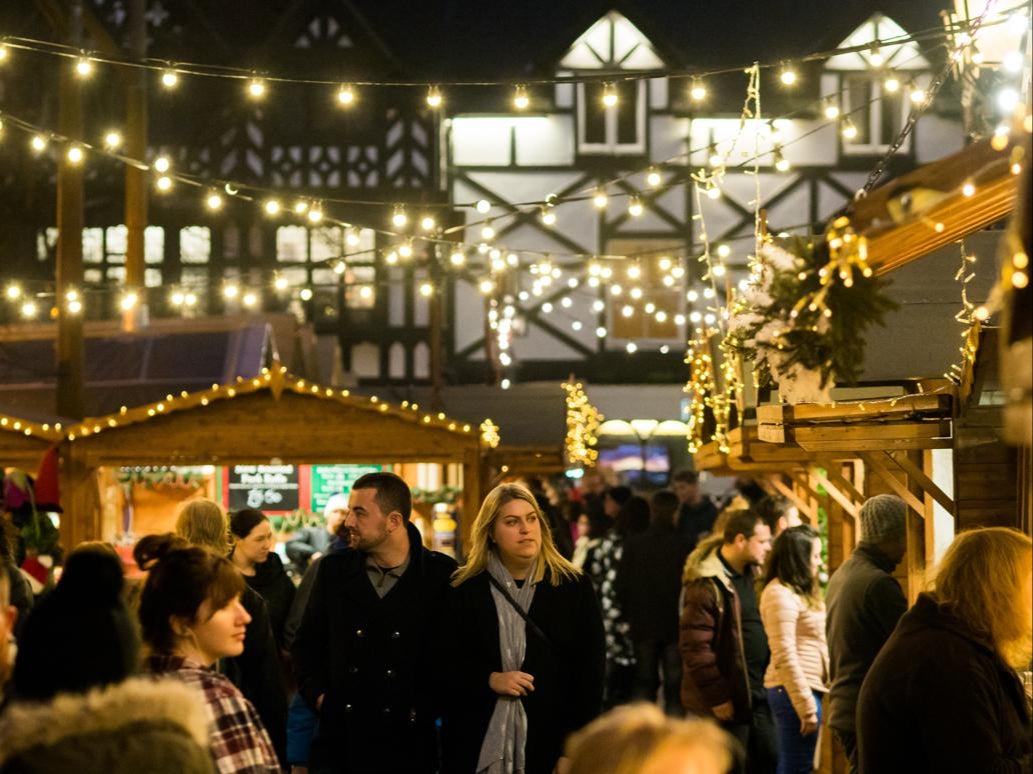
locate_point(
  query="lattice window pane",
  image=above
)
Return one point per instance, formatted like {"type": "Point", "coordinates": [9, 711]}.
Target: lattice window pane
{"type": "Point", "coordinates": [327, 243]}
{"type": "Point", "coordinates": [152, 278]}
{"type": "Point", "coordinates": [154, 244]}
{"type": "Point", "coordinates": [360, 291]}
{"type": "Point", "coordinates": [195, 244]}
{"type": "Point", "coordinates": [116, 243]}
{"type": "Point", "coordinates": [292, 244]}
{"type": "Point", "coordinates": [93, 245]}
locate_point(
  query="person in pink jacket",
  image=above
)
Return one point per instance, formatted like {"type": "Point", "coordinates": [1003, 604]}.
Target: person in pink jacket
{"type": "Point", "coordinates": [794, 620]}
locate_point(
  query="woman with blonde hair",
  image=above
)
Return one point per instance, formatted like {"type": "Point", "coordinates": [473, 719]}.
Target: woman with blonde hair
{"type": "Point", "coordinates": [944, 695]}
{"type": "Point", "coordinates": [640, 739]}
{"type": "Point", "coordinates": [257, 671]}
{"type": "Point", "coordinates": [527, 647]}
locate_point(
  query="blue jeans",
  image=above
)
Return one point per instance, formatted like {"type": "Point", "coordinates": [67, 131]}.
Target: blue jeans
{"type": "Point", "coordinates": [795, 751]}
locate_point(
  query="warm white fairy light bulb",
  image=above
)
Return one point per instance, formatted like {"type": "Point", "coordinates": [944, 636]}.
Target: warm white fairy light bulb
{"type": "Point", "coordinates": [305, 294]}
{"type": "Point", "coordinates": [164, 183]}
{"type": "Point", "coordinates": [848, 130]}
{"type": "Point", "coordinates": [457, 258]}
{"type": "Point", "coordinates": [610, 98]}
{"type": "Point", "coordinates": [315, 215]}
{"type": "Point", "coordinates": [483, 206]}
{"type": "Point", "coordinates": [346, 95]}
{"type": "Point", "coordinates": [231, 290]}
{"type": "Point", "coordinates": [654, 178]}
{"type": "Point", "coordinates": [13, 291]}
{"type": "Point", "coordinates": [250, 299]}
{"type": "Point", "coordinates": [405, 249]}
{"type": "Point", "coordinates": [161, 164]}
{"type": "Point", "coordinates": [75, 155]}
{"type": "Point", "coordinates": [427, 223]}
{"type": "Point", "coordinates": [399, 217]}
{"type": "Point", "coordinates": [256, 88]}
{"type": "Point", "coordinates": [635, 208]}
{"type": "Point", "coordinates": [521, 100]}
{"type": "Point", "coordinates": [38, 143]}
{"type": "Point", "coordinates": [781, 162]}
{"type": "Point", "coordinates": [83, 67]}
{"type": "Point", "coordinates": [600, 199]}
{"type": "Point", "coordinates": [434, 98]}
{"type": "Point", "coordinates": [112, 140]}
{"type": "Point", "coordinates": [280, 283]}
{"type": "Point", "coordinates": [300, 207]}
{"type": "Point", "coordinates": [548, 216]}
{"type": "Point", "coordinates": [787, 75]}
{"type": "Point", "coordinates": [29, 309]}
{"type": "Point", "coordinates": [169, 78]}
{"type": "Point", "coordinates": [487, 232]}
{"type": "Point", "coordinates": [486, 286]}
{"type": "Point", "coordinates": [697, 91]}
{"type": "Point", "coordinates": [891, 84]}
{"type": "Point", "coordinates": [831, 110]}
{"type": "Point", "coordinates": [213, 201]}
{"type": "Point", "coordinates": [272, 206]}
{"type": "Point", "coordinates": [917, 96]}
{"type": "Point", "coordinates": [128, 301]}
{"type": "Point", "coordinates": [875, 57]}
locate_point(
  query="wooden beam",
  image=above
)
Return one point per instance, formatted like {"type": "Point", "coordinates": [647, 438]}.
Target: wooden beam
{"type": "Point", "coordinates": [844, 484]}
{"type": "Point", "coordinates": [918, 476]}
{"type": "Point", "coordinates": [875, 465]}
{"type": "Point", "coordinates": [792, 496]}
{"type": "Point", "coordinates": [848, 504]}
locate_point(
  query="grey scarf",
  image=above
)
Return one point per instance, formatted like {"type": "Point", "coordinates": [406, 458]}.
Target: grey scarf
{"type": "Point", "coordinates": [502, 751]}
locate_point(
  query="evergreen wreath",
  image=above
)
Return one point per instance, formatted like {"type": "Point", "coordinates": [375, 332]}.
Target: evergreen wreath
{"type": "Point", "coordinates": [801, 321]}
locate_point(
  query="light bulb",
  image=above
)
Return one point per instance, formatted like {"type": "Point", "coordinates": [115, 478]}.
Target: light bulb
{"type": "Point", "coordinates": [177, 298]}
{"type": "Point", "coordinates": [483, 206]}
{"type": "Point", "coordinates": [398, 217]}
{"type": "Point", "coordinates": [83, 67]}
{"type": "Point", "coordinates": [968, 189]}
{"type": "Point", "coordinates": [169, 79]}
{"type": "Point", "coordinates": [164, 183]}
{"type": "Point", "coordinates": [719, 270]}
{"type": "Point", "coordinates": [787, 76]}
{"type": "Point", "coordinates": [340, 268]}
{"type": "Point", "coordinates": [520, 99]}
{"type": "Point", "coordinates": [848, 130]}
{"type": "Point", "coordinates": [13, 291]}
{"type": "Point", "coordinates": [29, 309]}
{"type": "Point", "coordinates": [300, 207]}
{"type": "Point", "coordinates": [305, 294]}
{"type": "Point", "coordinates": [653, 177]}
{"type": "Point", "coordinates": [112, 140]}
{"type": "Point", "coordinates": [345, 95]}
{"type": "Point", "coordinates": [891, 84]}
{"type": "Point", "coordinates": [256, 88]}
{"type": "Point", "coordinates": [1007, 99]}
{"type": "Point", "coordinates": [4, 52]}
{"type": "Point", "coordinates": [457, 258]}
{"type": "Point", "coordinates": [487, 232]}
{"type": "Point", "coordinates": [831, 110]}
{"type": "Point", "coordinates": [161, 164]}
{"type": "Point", "coordinates": [631, 347]}
{"type": "Point", "coordinates": [38, 143]}
{"type": "Point", "coordinates": [351, 239]}
{"type": "Point", "coordinates": [427, 223]}
{"type": "Point", "coordinates": [600, 199]}
{"type": "Point", "coordinates": [697, 92]}
{"type": "Point", "coordinates": [315, 215]}
{"type": "Point", "coordinates": [600, 332]}
{"type": "Point", "coordinates": [214, 201]}
{"type": "Point", "coordinates": [715, 158]}
{"type": "Point", "coordinates": [486, 286]}
{"type": "Point", "coordinates": [74, 306]}
{"type": "Point", "coordinates": [272, 207]}
{"type": "Point", "coordinates": [723, 251]}
{"type": "Point", "coordinates": [280, 283]}
{"type": "Point", "coordinates": [128, 301]}
{"type": "Point", "coordinates": [609, 95]}
{"type": "Point", "coordinates": [875, 57]}
{"type": "Point", "coordinates": [548, 216]}
{"type": "Point", "coordinates": [781, 162]}
{"type": "Point", "coordinates": [434, 98]}
{"type": "Point", "coordinates": [74, 155]}
{"type": "Point", "coordinates": [635, 208]}
{"type": "Point", "coordinates": [917, 96]}
{"type": "Point", "coordinates": [634, 271]}
{"type": "Point", "coordinates": [249, 300]}
{"type": "Point", "coordinates": [231, 291]}
{"type": "Point", "coordinates": [366, 292]}
{"type": "Point", "coordinates": [405, 250]}
{"type": "Point", "coordinates": [714, 192]}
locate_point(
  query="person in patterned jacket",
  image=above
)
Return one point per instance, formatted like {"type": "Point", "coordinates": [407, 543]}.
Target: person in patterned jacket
{"type": "Point", "coordinates": [191, 616]}
{"type": "Point", "coordinates": [631, 519]}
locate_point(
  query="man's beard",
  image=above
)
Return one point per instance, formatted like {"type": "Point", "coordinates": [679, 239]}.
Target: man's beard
{"type": "Point", "coordinates": [366, 543]}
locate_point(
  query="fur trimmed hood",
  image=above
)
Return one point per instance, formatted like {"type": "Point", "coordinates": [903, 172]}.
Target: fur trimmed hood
{"type": "Point", "coordinates": [704, 562]}
{"type": "Point", "coordinates": [25, 726]}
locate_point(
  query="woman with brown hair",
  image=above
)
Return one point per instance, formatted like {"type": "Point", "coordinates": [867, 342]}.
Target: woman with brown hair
{"type": "Point", "coordinates": [943, 695]}
{"type": "Point", "coordinates": [527, 648]}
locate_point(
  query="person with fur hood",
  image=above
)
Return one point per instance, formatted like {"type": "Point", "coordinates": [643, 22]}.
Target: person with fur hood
{"type": "Point", "coordinates": [76, 706]}
{"type": "Point", "coordinates": [721, 636]}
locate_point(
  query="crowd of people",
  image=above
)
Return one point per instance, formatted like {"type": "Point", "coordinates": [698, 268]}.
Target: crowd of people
{"type": "Point", "coordinates": [605, 632]}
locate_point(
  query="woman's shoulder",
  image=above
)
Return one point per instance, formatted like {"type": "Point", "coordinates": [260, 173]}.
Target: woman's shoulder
{"type": "Point", "coordinates": [777, 593]}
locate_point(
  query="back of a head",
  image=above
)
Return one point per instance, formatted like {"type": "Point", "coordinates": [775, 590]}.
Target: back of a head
{"type": "Point", "coordinates": [633, 516]}
{"type": "Point", "coordinates": [983, 579]}
{"type": "Point", "coordinates": [640, 739]}
{"type": "Point", "coordinates": [883, 519]}
{"type": "Point", "coordinates": [203, 522]}
{"type": "Point", "coordinates": [663, 507]}
{"type": "Point", "coordinates": [180, 578]}
{"type": "Point", "coordinates": [619, 494]}
{"type": "Point", "coordinates": [771, 509]}
{"type": "Point", "coordinates": [393, 493]}
{"type": "Point", "coordinates": [80, 635]}
{"type": "Point", "coordinates": [741, 522]}
{"type": "Point", "coordinates": [689, 477]}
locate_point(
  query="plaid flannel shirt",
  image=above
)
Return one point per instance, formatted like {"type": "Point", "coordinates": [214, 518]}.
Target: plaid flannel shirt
{"type": "Point", "coordinates": [238, 741]}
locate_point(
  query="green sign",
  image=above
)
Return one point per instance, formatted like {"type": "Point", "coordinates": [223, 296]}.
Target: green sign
{"type": "Point", "coordinates": [328, 480]}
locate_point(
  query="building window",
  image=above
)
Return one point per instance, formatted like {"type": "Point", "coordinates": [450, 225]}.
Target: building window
{"type": "Point", "coordinates": [311, 253]}
{"type": "Point", "coordinates": [618, 129]}
{"type": "Point", "coordinates": [879, 116]}
{"type": "Point", "coordinates": [195, 244]}
{"type": "Point", "coordinates": [654, 318]}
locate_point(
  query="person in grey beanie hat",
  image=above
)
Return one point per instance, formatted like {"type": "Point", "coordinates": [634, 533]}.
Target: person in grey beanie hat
{"type": "Point", "coordinates": [864, 603]}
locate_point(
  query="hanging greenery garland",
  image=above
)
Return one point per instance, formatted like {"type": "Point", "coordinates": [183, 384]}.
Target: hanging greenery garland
{"type": "Point", "coordinates": [802, 319]}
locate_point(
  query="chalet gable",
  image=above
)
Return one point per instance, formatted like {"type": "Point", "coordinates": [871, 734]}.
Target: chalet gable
{"type": "Point", "coordinates": [878, 29]}
{"type": "Point", "coordinates": [612, 43]}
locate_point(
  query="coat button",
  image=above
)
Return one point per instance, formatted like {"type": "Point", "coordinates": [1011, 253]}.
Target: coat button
{"type": "Point", "coordinates": [387, 710]}
{"type": "Point", "coordinates": [353, 670]}
{"type": "Point", "coordinates": [347, 708]}
{"type": "Point", "coordinates": [360, 633]}
{"type": "Point", "coordinates": [390, 673]}
{"type": "Point", "coordinates": [396, 635]}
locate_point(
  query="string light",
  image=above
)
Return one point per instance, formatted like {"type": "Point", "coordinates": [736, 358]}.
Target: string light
{"type": "Point", "coordinates": [875, 57]}
{"type": "Point", "coordinates": [405, 249]}
{"type": "Point", "coordinates": [83, 67]}
{"type": "Point", "coordinates": [256, 88]}
{"type": "Point", "coordinates": [697, 91]}
{"type": "Point", "coordinates": [635, 208]}
{"type": "Point", "coordinates": [13, 291]}
{"type": "Point", "coordinates": [654, 178]}
{"type": "Point", "coordinates": [891, 84]}
{"type": "Point", "coordinates": [434, 98]}
{"type": "Point", "coordinates": [346, 95]}
{"type": "Point", "coordinates": [315, 214]}
{"type": "Point", "coordinates": [305, 294]}
{"type": "Point", "coordinates": [781, 162]}
{"type": "Point", "coordinates": [213, 201]}
{"type": "Point", "coordinates": [169, 79]}
{"type": "Point", "coordinates": [75, 154]}
{"type": "Point", "coordinates": [968, 189]}
{"type": "Point", "coordinates": [300, 207]}
{"type": "Point", "coordinates": [426, 289]}
{"type": "Point", "coordinates": [280, 283]}
{"type": "Point", "coordinates": [128, 301]}
{"type": "Point", "coordinates": [398, 217]}
{"type": "Point", "coordinates": [112, 140]}
{"type": "Point", "coordinates": [848, 130]}
{"type": "Point", "coordinates": [38, 143]}
{"type": "Point", "coordinates": [427, 223]}
{"type": "Point", "coordinates": [609, 95]}
{"type": "Point", "coordinates": [457, 258]}
{"type": "Point", "coordinates": [917, 96]}
{"type": "Point", "coordinates": [831, 110]}
{"type": "Point", "coordinates": [787, 75]}
{"type": "Point", "coordinates": [29, 309]}
{"type": "Point", "coordinates": [583, 422]}
{"type": "Point", "coordinates": [164, 183]}
{"type": "Point", "coordinates": [600, 199]}
{"type": "Point", "coordinates": [487, 231]}
{"type": "Point", "coordinates": [521, 101]}
{"type": "Point", "coordinates": [250, 300]}
{"type": "Point", "coordinates": [272, 207]}
{"type": "Point", "coordinates": [483, 206]}
{"type": "Point", "coordinates": [231, 290]}
{"type": "Point", "coordinates": [486, 286]}
{"type": "Point", "coordinates": [548, 215]}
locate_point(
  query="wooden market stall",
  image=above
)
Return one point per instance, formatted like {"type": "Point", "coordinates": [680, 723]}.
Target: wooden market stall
{"type": "Point", "coordinates": [272, 417]}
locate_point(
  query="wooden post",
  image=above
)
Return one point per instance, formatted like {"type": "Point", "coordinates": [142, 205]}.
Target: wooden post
{"type": "Point", "coordinates": [80, 498]}
{"type": "Point", "coordinates": [471, 497]}
{"type": "Point", "coordinates": [436, 304]}
{"type": "Point", "coordinates": [136, 179]}
{"type": "Point", "coordinates": [70, 351]}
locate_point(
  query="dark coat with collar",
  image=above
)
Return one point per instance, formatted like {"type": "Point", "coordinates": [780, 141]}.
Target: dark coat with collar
{"type": "Point", "coordinates": [939, 699]}
{"type": "Point", "coordinates": [567, 670]}
{"type": "Point", "coordinates": [373, 660]}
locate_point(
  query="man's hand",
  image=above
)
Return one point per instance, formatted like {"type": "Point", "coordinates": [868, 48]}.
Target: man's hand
{"type": "Point", "coordinates": [511, 683]}
{"type": "Point", "coordinates": [724, 711]}
{"type": "Point", "coordinates": [809, 724]}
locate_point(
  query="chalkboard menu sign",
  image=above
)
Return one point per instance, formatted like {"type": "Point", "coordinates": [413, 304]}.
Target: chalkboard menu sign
{"type": "Point", "coordinates": [328, 480]}
{"type": "Point", "coordinates": [265, 487]}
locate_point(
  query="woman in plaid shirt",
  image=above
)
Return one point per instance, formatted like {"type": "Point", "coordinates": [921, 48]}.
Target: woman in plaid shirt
{"type": "Point", "coordinates": [191, 617]}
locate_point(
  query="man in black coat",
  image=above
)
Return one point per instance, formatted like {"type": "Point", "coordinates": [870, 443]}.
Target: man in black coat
{"type": "Point", "coordinates": [864, 603]}
{"type": "Point", "coordinates": [364, 653]}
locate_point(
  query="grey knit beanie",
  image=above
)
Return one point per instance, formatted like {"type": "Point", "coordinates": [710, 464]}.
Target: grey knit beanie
{"type": "Point", "coordinates": [883, 517]}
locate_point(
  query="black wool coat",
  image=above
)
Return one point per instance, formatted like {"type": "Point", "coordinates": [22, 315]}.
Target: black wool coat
{"type": "Point", "coordinates": [939, 700]}
{"type": "Point", "coordinates": [271, 581]}
{"type": "Point", "coordinates": [373, 660]}
{"type": "Point", "coordinates": [567, 670]}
